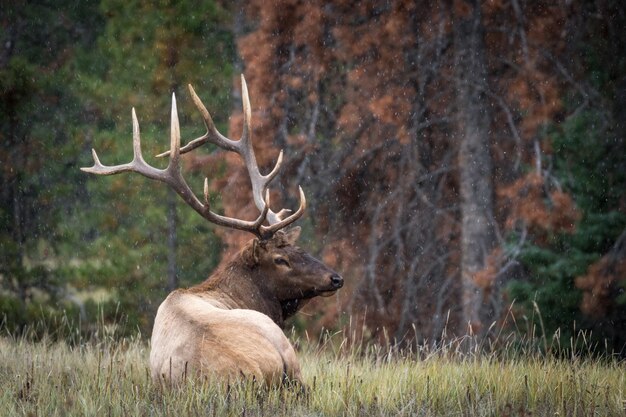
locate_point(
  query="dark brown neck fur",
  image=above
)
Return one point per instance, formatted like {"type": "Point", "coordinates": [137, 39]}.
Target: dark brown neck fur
{"type": "Point", "coordinates": [238, 285]}
{"type": "Point", "coordinates": [274, 277]}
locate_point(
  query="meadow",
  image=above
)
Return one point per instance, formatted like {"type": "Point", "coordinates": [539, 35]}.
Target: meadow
{"type": "Point", "coordinates": [107, 376]}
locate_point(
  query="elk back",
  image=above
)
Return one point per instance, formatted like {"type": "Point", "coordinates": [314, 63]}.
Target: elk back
{"type": "Point", "coordinates": [194, 335]}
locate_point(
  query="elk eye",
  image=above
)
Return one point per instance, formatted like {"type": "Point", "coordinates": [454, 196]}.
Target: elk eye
{"type": "Point", "coordinates": [281, 261]}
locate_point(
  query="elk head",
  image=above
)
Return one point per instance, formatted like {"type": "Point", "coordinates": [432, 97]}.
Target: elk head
{"type": "Point", "coordinates": [295, 273]}
{"type": "Point", "coordinates": [285, 272]}
{"type": "Point", "coordinates": [277, 266]}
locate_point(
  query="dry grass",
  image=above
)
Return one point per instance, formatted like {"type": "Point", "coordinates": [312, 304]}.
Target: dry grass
{"type": "Point", "coordinates": [102, 378]}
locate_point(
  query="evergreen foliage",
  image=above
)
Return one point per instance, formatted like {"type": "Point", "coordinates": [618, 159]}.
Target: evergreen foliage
{"type": "Point", "coordinates": [40, 117]}
{"type": "Point", "coordinates": [95, 246]}
{"type": "Point", "coordinates": [588, 161]}
{"type": "Point", "coordinates": [587, 165]}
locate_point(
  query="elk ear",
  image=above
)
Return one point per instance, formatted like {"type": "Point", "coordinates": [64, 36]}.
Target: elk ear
{"type": "Point", "coordinates": [251, 255]}
{"type": "Point", "coordinates": [292, 235]}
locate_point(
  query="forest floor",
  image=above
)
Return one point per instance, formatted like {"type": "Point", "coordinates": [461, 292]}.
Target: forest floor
{"type": "Point", "coordinates": [111, 377]}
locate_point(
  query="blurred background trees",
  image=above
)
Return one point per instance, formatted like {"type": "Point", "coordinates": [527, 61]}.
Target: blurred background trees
{"type": "Point", "coordinates": [463, 160]}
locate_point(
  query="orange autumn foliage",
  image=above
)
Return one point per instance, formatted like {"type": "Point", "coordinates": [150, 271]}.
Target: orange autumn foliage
{"type": "Point", "coordinates": [542, 210]}
{"type": "Point", "coordinates": [361, 97]}
{"type": "Point", "coordinates": [485, 278]}
{"type": "Point", "coordinates": [603, 280]}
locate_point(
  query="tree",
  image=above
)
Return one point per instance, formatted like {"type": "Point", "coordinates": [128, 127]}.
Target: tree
{"type": "Point", "coordinates": [140, 62]}
{"type": "Point", "coordinates": [474, 159]}
{"type": "Point", "coordinates": [582, 217]}
{"type": "Point", "coordinates": [69, 74]}
{"type": "Point", "coordinates": [357, 102]}
{"type": "Point", "coordinates": [39, 121]}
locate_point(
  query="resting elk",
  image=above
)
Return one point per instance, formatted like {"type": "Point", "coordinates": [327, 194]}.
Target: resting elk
{"type": "Point", "coordinates": [228, 327]}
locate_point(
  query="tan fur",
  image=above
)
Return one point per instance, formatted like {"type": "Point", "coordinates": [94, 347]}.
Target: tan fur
{"type": "Point", "coordinates": [195, 335]}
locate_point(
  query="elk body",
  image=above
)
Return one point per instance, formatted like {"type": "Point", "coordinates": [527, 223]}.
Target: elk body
{"type": "Point", "coordinates": [229, 326]}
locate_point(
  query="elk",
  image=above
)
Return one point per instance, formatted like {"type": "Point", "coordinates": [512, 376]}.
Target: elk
{"type": "Point", "coordinates": [229, 326]}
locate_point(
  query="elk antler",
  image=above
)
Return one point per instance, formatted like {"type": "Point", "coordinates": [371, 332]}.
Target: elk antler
{"type": "Point", "coordinates": [173, 177]}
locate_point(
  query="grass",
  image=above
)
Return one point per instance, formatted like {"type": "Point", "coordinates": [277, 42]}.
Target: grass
{"type": "Point", "coordinates": [111, 377]}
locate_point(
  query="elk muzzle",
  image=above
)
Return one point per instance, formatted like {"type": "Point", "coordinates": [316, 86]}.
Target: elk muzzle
{"type": "Point", "coordinates": [336, 282]}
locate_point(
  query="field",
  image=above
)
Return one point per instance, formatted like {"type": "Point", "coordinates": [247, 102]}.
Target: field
{"type": "Point", "coordinates": [111, 377]}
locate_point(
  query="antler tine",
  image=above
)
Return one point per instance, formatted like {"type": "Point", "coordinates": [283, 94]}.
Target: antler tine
{"type": "Point", "coordinates": [173, 177]}
{"type": "Point", "coordinates": [246, 150]}
{"type": "Point", "coordinates": [174, 137]}
{"type": "Point", "coordinates": [247, 112]}
{"type": "Point", "coordinates": [170, 175]}
{"type": "Point", "coordinates": [243, 147]}
{"type": "Point", "coordinates": [136, 138]}
{"type": "Point", "coordinates": [136, 165]}
{"type": "Point", "coordinates": [273, 228]}
{"type": "Point", "coordinates": [212, 135]}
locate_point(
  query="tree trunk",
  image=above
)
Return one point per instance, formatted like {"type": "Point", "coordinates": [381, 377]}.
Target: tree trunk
{"type": "Point", "coordinates": [474, 160]}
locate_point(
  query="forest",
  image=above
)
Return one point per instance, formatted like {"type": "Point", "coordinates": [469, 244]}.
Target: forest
{"type": "Point", "coordinates": [464, 161]}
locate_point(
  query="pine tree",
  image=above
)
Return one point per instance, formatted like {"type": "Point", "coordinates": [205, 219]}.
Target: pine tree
{"type": "Point", "coordinates": [143, 240]}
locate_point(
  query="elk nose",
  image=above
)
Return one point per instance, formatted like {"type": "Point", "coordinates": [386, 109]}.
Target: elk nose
{"type": "Point", "coordinates": [336, 281]}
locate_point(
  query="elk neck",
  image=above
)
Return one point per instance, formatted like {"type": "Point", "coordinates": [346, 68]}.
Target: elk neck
{"type": "Point", "coordinates": [237, 285]}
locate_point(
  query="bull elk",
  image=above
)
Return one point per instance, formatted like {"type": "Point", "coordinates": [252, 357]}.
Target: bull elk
{"type": "Point", "coordinates": [228, 326]}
